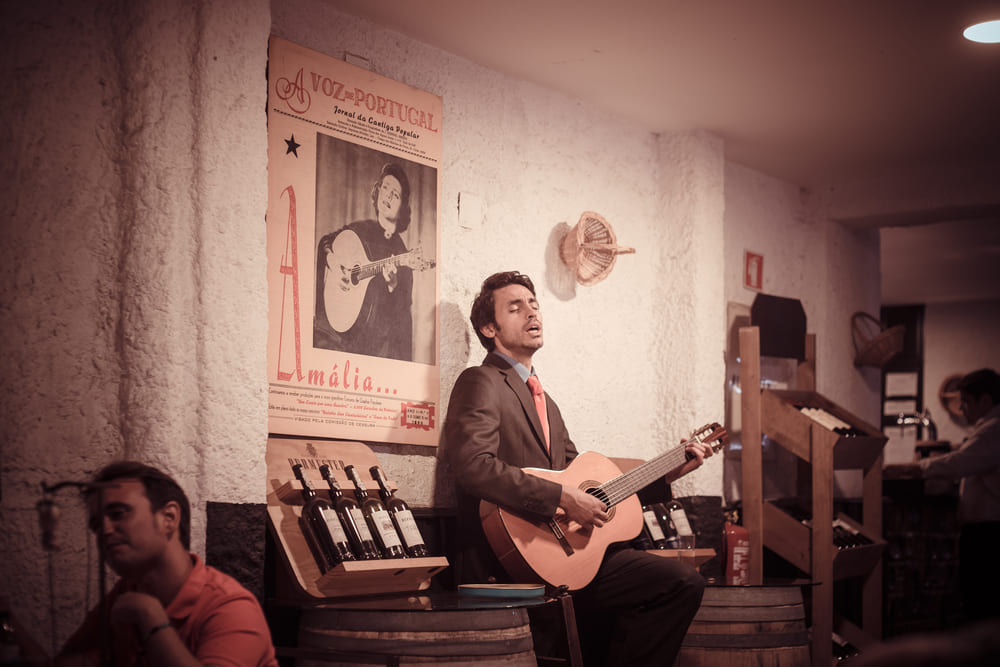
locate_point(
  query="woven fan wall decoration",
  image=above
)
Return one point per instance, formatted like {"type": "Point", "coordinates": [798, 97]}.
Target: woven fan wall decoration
{"type": "Point", "coordinates": [591, 248]}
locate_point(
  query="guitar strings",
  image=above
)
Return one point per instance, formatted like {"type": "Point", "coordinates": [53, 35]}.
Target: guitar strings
{"type": "Point", "coordinates": [624, 485]}
{"type": "Point", "coordinates": [373, 268]}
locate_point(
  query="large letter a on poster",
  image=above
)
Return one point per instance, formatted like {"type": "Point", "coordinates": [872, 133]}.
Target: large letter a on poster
{"type": "Point", "coordinates": [290, 267]}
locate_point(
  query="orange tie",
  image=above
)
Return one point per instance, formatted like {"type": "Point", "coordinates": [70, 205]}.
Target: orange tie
{"type": "Point", "coordinates": [539, 395]}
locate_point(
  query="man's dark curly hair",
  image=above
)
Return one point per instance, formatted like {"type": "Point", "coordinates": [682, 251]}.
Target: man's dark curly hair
{"type": "Point", "coordinates": [484, 308]}
{"type": "Point", "coordinates": [983, 381]}
{"type": "Point", "coordinates": [159, 486]}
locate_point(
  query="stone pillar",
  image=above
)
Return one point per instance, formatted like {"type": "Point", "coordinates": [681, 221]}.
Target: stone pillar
{"type": "Point", "coordinates": [133, 291]}
{"type": "Point", "coordinates": [691, 207]}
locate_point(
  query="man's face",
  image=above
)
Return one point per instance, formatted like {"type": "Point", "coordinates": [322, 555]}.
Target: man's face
{"type": "Point", "coordinates": [517, 330]}
{"type": "Point", "coordinates": [974, 408]}
{"type": "Point", "coordinates": [390, 197]}
{"type": "Point", "coordinates": [132, 536]}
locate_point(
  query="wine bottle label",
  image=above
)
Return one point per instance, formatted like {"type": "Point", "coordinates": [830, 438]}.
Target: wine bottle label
{"type": "Point", "coordinates": [653, 526]}
{"type": "Point", "coordinates": [680, 521]}
{"type": "Point", "coordinates": [333, 524]}
{"type": "Point", "coordinates": [359, 521]}
{"type": "Point", "coordinates": [408, 528]}
{"type": "Point", "coordinates": [383, 522]}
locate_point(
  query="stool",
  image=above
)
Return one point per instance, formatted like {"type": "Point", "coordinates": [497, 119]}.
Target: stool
{"type": "Point", "coordinates": [567, 619]}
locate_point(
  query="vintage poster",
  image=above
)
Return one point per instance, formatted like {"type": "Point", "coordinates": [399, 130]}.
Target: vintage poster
{"type": "Point", "coordinates": [352, 247]}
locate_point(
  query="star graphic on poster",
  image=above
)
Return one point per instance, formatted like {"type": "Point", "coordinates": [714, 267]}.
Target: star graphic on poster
{"type": "Point", "coordinates": [293, 147]}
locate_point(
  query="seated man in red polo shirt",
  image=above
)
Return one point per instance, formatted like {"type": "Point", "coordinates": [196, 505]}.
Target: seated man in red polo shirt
{"type": "Point", "coordinates": [169, 608]}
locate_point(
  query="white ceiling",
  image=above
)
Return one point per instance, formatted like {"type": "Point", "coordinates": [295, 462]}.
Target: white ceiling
{"type": "Point", "coordinates": [821, 94]}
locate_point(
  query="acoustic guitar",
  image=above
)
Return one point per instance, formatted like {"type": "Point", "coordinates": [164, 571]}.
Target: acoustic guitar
{"type": "Point", "coordinates": [349, 271]}
{"type": "Point", "coordinates": [559, 553]}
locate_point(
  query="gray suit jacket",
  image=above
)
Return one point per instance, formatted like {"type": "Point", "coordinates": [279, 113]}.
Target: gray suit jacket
{"type": "Point", "coordinates": [492, 431]}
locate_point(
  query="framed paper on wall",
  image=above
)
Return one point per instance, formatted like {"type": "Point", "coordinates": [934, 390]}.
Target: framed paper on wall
{"type": "Point", "coordinates": [352, 247]}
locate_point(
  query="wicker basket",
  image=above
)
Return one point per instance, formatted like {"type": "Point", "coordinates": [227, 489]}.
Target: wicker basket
{"type": "Point", "coordinates": [874, 344]}
{"type": "Point", "coordinates": [590, 249]}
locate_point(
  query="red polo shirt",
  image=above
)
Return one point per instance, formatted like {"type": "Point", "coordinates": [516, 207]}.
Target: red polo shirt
{"type": "Point", "coordinates": [219, 621]}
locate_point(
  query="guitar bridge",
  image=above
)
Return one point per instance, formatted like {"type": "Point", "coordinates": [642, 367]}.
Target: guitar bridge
{"type": "Point", "coordinates": [561, 536]}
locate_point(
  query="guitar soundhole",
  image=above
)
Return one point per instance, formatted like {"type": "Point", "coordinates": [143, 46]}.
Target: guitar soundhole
{"type": "Point", "coordinates": [599, 493]}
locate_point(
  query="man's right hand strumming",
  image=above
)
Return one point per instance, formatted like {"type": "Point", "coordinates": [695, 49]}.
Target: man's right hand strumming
{"type": "Point", "coordinates": [583, 508]}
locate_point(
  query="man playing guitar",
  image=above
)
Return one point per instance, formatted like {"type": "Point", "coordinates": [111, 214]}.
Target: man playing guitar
{"type": "Point", "coordinates": [637, 608]}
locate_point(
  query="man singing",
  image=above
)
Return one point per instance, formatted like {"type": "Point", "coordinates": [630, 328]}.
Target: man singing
{"type": "Point", "coordinates": [637, 609]}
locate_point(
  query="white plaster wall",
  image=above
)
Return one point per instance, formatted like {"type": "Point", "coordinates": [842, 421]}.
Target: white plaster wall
{"type": "Point", "coordinates": [132, 259]}
{"type": "Point", "coordinates": [958, 338]}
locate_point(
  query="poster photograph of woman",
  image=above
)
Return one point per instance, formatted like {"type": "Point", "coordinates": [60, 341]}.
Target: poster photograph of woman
{"type": "Point", "coordinates": [352, 251]}
{"type": "Point", "coordinates": [375, 225]}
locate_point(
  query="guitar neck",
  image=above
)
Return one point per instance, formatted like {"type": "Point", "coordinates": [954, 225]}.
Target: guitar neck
{"type": "Point", "coordinates": [619, 488]}
{"type": "Point", "coordinates": [374, 268]}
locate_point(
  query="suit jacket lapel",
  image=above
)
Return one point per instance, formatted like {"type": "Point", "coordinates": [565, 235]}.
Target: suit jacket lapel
{"type": "Point", "coordinates": [520, 389]}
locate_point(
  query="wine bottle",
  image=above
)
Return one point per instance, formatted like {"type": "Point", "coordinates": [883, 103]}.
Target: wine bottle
{"type": "Point", "coordinates": [352, 518]}
{"type": "Point", "coordinates": [401, 516]}
{"type": "Point", "coordinates": [830, 421]}
{"type": "Point", "coordinates": [378, 518]}
{"type": "Point", "coordinates": [679, 519]}
{"type": "Point", "coordinates": [320, 524]}
{"type": "Point", "coordinates": [663, 517]}
{"type": "Point", "coordinates": [651, 526]}
{"type": "Point", "coordinates": [845, 537]}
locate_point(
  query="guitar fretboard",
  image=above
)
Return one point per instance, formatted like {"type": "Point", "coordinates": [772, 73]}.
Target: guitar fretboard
{"type": "Point", "coordinates": [621, 487]}
{"type": "Point", "coordinates": [359, 273]}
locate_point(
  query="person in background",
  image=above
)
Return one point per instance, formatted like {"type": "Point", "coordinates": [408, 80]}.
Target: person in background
{"type": "Point", "coordinates": [976, 462]}
{"type": "Point", "coordinates": [168, 609]}
{"type": "Point", "coordinates": [637, 609]}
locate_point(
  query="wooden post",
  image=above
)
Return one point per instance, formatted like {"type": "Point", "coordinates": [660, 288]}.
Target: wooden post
{"type": "Point", "coordinates": [805, 373]}
{"type": "Point", "coordinates": [752, 473]}
{"type": "Point", "coordinates": [871, 593]}
{"type": "Point", "coordinates": [821, 457]}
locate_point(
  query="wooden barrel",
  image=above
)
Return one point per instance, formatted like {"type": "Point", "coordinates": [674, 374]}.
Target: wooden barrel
{"type": "Point", "coordinates": [743, 626]}
{"type": "Point", "coordinates": [484, 637]}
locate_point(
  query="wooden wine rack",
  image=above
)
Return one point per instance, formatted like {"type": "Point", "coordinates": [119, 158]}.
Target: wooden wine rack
{"type": "Point", "coordinates": [820, 451]}
{"type": "Point", "coordinates": [284, 508]}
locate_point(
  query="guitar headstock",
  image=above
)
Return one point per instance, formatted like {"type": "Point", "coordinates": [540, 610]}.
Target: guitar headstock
{"type": "Point", "coordinates": [414, 259]}
{"type": "Point", "coordinates": [712, 434]}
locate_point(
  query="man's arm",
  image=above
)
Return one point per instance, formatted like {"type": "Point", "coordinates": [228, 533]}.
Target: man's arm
{"type": "Point", "coordinates": [979, 453]}
{"type": "Point", "coordinates": [235, 635]}
{"type": "Point", "coordinates": [145, 616]}
{"type": "Point", "coordinates": [699, 451]}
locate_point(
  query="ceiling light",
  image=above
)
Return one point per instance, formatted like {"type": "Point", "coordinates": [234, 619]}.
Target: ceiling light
{"type": "Point", "coordinates": [987, 32]}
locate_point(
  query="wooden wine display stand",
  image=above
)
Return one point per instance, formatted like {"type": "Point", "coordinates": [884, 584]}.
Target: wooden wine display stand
{"type": "Point", "coordinates": [820, 452]}
{"type": "Point", "coordinates": [284, 507]}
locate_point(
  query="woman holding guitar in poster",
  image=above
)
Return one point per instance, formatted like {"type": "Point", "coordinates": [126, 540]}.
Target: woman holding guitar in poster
{"type": "Point", "coordinates": [364, 277]}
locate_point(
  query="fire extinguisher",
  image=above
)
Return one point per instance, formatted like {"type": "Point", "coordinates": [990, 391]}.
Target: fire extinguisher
{"type": "Point", "coordinates": [736, 543]}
